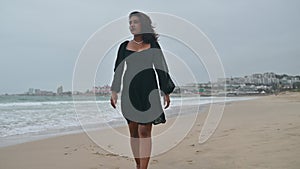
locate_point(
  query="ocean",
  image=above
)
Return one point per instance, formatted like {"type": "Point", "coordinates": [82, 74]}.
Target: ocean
{"type": "Point", "coordinates": [26, 118]}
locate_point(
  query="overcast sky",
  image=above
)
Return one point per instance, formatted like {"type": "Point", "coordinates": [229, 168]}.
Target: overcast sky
{"type": "Point", "coordinates": [40, 40]}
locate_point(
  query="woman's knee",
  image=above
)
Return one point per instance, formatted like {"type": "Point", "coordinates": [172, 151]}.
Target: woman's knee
{"type": "Point", "coordinates": [133, 128]}
{"type": "Point", "coordinates": [144, 131]}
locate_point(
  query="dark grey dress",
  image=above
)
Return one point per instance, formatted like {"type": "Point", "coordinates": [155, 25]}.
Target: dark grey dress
{"type": "Point", "coordinates": [140, 96]}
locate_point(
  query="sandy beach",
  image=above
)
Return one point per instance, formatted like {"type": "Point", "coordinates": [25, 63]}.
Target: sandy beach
{"type": "Point", "coordinates": [255, 134]}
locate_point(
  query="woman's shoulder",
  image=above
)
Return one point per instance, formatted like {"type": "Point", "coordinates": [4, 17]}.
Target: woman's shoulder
{"type": "Point", "coordinates": [124, 42]}
{"type": "Point", "coordinates": [155, 44]}
{"type": "Point", "coordinates": [123, 45]}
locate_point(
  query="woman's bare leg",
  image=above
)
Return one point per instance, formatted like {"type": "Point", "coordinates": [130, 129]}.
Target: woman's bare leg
{"type": "Point", "coordinates": [145, 140]}
{"type": "Point", "coordinates": [134, 142]}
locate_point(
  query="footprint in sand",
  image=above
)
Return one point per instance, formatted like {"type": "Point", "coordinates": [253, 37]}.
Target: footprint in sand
{"type": "Point", "coordinates": [98, 153]}
{"type": "Point", "coordinates": [190, 161]}
{"type": "Point", "coordinates": [192, 145]}
{"type": "Point", "coordinates": [111, 155]}
{"type": "Point", "coordinates": [68, 151]}
{"type": "Point", "coordinates": [228, 130]}
{"type": "Point", "coordinates": [198, 151]}
{"type": "Point", "coordinates": [154, 161]}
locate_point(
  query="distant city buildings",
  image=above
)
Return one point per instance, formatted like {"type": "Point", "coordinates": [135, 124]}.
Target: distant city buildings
{"type": "Point", "coordinates": [39, 92]}
{"type": "Point", "coordinates": [59, 90]}
{"type": "Point", "coordinates": [268, 78]}
{"type": "Point", "coordinates": [31, 91]}
{"type": "Point", "coordinates": [101, 90]}
{"type": "Point", "coordinates": [258, 83]}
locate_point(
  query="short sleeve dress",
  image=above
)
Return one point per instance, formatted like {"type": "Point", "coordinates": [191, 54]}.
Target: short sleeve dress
{"type": "Point", "coordinates": [140, 94]}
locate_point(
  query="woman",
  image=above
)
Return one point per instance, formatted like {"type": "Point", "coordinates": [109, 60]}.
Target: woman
{"type": "Point", "coordinates": [140, 99]}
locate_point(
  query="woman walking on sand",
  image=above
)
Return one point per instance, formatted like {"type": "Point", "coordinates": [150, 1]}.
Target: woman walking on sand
{"type": "Point", "coordinates": [140, 95]}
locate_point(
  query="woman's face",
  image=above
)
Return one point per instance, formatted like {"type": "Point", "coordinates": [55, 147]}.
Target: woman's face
{"type": "Point", "coordinates": [135, 25]}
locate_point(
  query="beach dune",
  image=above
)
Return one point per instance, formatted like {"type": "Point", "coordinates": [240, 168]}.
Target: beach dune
{"type": "Point", "coordinates": [263, 133]}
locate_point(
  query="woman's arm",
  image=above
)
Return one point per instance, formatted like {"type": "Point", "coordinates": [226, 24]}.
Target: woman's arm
{"type": "Point", "coordinates": [165, 82]}
{"type": "Point", "coordinates": [118, 72]}
{"type": "Point", "coordinates": [113, 99]}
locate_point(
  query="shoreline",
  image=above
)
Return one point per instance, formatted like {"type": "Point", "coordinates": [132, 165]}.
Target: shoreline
{"type": "Point", "coordinates": [259, 133]}
{"type": "Point", "coordinates": [36, 136]}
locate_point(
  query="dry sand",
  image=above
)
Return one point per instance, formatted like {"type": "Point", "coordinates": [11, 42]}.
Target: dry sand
{"type": "Point", "coordinates": [256, 134]}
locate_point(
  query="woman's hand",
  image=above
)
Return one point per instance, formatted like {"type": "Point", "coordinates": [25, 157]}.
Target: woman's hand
{"type": "Point", "coordinates": [167, 101]}
{"type": "Point", "coordinates": [113, 99]}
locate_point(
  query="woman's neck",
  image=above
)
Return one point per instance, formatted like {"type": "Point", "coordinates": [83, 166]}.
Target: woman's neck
{"type": "Point", "coordinates": [138, 38]}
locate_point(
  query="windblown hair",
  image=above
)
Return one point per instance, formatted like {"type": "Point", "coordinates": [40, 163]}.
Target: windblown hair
{"type": "Point", "coordinates": [148, 33]}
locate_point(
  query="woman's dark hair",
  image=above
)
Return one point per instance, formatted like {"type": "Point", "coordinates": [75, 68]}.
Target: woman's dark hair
{"type": "Point", "coordinates": [148, 33]}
